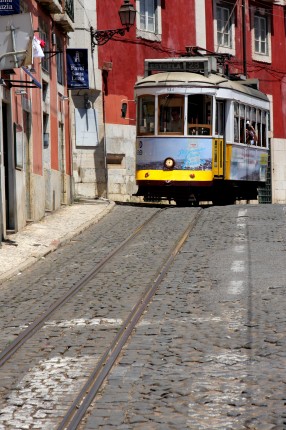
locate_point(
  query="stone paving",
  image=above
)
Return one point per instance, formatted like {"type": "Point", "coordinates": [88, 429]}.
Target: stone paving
{"type": "Point", "coordinates": [46, 373]}
{"type": "Point", "coordinates": [210, 350]}
{"type": "Point", "coordinates": [22, 249]}
{"type": "Point", "coordinates": [210, 353]}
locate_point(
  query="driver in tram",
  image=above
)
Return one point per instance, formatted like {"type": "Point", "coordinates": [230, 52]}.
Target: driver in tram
{"type": "Point", "coordinates": [176, 123]}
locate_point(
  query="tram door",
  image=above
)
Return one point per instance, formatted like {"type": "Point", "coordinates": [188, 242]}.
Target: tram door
{"type": "Point", "coordinates": [218, 147]}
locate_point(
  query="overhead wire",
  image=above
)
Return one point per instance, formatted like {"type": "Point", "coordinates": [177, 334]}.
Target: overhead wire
{"type": "Point", "coordinates": [268, 11]}
{"type": "Point", "coordinates": [260, 5]}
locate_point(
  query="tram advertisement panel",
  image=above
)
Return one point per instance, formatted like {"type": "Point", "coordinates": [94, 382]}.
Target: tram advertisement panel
{"type": "Point", "coordinates": [248, 164]}
{"type": "Point", "coordinates": [188, 153]}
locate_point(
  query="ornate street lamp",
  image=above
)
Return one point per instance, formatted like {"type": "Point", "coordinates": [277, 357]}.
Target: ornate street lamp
{"type": "Point", "coordinates": [127, 15]}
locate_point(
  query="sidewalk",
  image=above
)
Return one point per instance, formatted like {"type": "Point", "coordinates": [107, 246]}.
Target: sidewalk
{"type": "Point", "coordinates": [22, 249]}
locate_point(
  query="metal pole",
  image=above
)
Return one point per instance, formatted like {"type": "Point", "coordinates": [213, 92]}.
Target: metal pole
{"type": "Point", "coordinates": [1, 209]}
{"type": "Point", "coordinates": [244, 38]}
{"type": "Point", "coordinates": [12, 53]}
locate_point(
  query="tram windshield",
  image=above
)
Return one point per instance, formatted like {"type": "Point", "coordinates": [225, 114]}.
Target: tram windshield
{"type": "Point", "coordinates": [172, 112]}
{"type": "Point", "coordinates": [199, 115]}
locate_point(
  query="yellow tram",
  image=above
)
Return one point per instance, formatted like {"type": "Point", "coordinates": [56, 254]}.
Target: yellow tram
{"type": "Point", "coordinates": [192, 141]}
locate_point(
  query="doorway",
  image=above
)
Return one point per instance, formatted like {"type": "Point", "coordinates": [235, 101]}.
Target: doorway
{"type": "Point", "coordinates": [61, 153]}
{"type": "Point", "coordinates": [27, 150]}
{"type": "Point", "coordinates": [8, 211]}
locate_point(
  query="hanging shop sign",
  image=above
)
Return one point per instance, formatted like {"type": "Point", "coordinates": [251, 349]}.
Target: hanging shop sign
{"type": "Point", "coordinates": [77, 69]}
{"type": "Point", "coordinates": [16, 35]}
{"type": "Point", "coordinates": [9, 7]}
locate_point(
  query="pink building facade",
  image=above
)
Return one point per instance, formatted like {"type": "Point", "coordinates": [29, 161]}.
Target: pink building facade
{"type": "Point", "coordinates": [35, 168]}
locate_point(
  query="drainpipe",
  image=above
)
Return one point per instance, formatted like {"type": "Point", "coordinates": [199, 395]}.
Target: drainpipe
{"type": "Point", "coordinates": [244, 38]}
{"type": "Point", "coordinates": [104, 146]}
{"type": "Point", "coordinates": [1, 208]}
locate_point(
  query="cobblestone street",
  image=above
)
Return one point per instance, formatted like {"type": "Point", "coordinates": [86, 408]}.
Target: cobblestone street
{"type": "Point", "coordinates": [208, 353]}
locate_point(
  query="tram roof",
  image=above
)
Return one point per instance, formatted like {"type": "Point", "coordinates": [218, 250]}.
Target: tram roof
{"type": "Point", "coordinates": [197, 80]}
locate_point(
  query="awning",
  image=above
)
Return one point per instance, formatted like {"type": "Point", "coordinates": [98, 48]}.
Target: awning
{"type": "Point", "coordinates": [24, 84]}
{"type": "Point", "coordinates": [34, 81]}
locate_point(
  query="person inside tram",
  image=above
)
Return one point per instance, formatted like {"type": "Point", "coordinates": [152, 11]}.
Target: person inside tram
{"type": "Point", "coordinates": [251, 137]}
{"type": "Point", "coordinates": [176, 123]}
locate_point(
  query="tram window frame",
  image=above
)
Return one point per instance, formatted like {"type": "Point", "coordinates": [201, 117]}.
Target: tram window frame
{"type": "Point", "coordinates": [220, 118]}
{"type": "Point", "coordinates": [236, 128]}
{"type": "Point", "coordinates": [146, 115]}
{"type": "Point", "coordinates": [258, 127]}
{"type": "Point", "coordinates": [264, 128]}
{"type": "Point", "coordinates": [253, 122]}
{"type": "Point", "coordinates": [200, 118]}
{"type": "Point", "coordinates": [251, 116]}
{"type": "Point", "coordinates": [257, 118]}
{"type": "Point", "coordinates": [242, 124]}
{"type": "Point", "coordinates": [171, 102]}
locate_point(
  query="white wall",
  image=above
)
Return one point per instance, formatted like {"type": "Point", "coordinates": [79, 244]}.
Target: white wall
{"type": "Point", "coordinates": [278, 167]}
{"type": "Point", "coordinates": [200, 12]}
{"type": "Point", "coordinates": [121, 140]}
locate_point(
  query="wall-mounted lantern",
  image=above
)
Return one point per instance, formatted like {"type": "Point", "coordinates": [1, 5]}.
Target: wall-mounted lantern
{"type": "Point", "coordinates": [127, 15]}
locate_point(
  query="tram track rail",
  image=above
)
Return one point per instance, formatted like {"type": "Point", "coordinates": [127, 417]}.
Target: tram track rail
{"type": "Point", "coordinates": [114, 289]}
{"type": "Point", "coordinates": [80, 406]}
{"type": "Point", "coordinates": [38, 323]}
{"type": "Point", "coordinates": [194, 333]}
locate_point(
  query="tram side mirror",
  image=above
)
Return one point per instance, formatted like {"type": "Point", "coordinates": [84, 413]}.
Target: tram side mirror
{"type": "Point", "coordinates": [123, 110]}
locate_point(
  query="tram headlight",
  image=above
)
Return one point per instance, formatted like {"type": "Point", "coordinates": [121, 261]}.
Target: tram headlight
{"type": "Point", "coordinates": [192, 175]}
{"type": "Point", "coordinates": [169, 163]}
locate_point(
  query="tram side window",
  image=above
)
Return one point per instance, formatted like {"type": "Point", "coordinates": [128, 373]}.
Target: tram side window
{"type": "Point", "coordinates": [219, 120]}
{"type": "Point", "coordinates": [252, 119]}
{"type": "Point", "coordinates": [146, 115]}
{"type": "Point", "coordinates": [258, 127]}
{"type": "Point", "coordinates": [253, 122]}
{"type": "Point", "coordinates": [242, 124]}
{"type": "Point", "coordinates": [243, 115]}
{"type": "Point", "coordinates": [236, 122]}
{"type": "Point", "coordinates": [264, 129]}
{"type": "Point", "coordinates": [171, 114]}
{"type": "Point", "coordinates": [199, 115]}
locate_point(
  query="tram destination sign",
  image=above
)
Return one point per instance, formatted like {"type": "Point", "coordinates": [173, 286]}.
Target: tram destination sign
{"type": "Point", "coordinates": [202, 65]}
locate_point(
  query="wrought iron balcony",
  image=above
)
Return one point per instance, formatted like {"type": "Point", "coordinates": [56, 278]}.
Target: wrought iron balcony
{"type": "Point", "coordinates": [53, 6]}
{"type": "Point", "coordinates": [65, 20]}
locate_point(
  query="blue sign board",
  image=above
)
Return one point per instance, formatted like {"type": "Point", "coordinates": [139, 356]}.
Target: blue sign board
{"type": "Point", "coordinates": [9, 7]}
{"type": "Point", "coordinates": [77, 69]}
